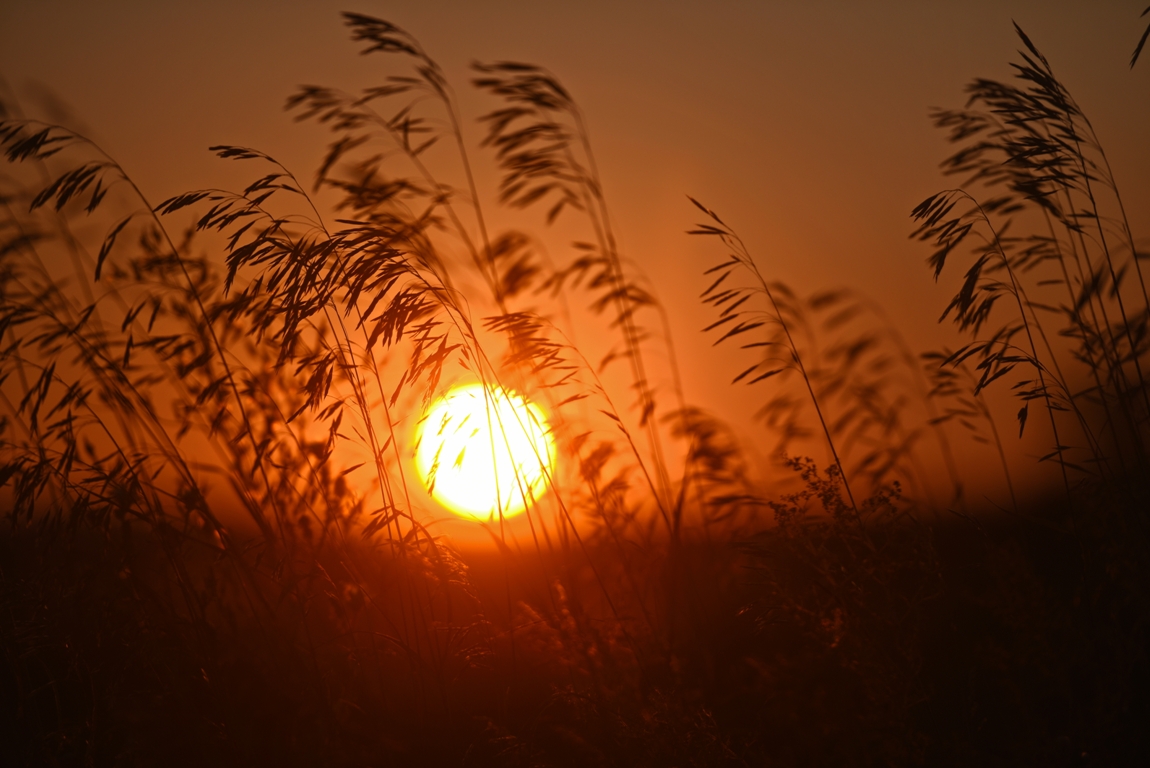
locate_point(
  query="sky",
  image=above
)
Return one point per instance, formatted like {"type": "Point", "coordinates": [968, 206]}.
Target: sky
{"type": "Point", "coordinates": [804, 124]}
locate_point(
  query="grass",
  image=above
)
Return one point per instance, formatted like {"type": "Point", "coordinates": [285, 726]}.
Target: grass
{"type": "Point", "coordinates": [215, 551]}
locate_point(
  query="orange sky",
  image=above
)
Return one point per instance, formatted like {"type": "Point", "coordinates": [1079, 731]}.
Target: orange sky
{"type": "Point", "coordinates": [803, 123]}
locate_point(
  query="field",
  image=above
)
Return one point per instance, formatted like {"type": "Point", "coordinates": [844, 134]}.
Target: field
{"type": "Point", "coordinates": [217, 548]}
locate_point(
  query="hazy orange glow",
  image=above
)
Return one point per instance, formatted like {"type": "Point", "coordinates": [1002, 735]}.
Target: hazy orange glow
{"type": "Point", "coordinates": [803, 124]}
{"type": "Point", "coordinates": [482, 452]}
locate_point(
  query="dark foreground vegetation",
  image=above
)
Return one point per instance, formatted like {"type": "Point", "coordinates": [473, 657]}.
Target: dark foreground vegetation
{"type": "Point", "coordinates": [213, 550]}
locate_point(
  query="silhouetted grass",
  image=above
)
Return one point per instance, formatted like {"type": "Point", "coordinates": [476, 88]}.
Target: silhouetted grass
{"type": "Point", "coordinates": [216, 553]}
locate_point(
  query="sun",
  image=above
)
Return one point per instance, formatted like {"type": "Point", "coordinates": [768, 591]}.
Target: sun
{"type": "Point", "coordinates": [484, 451]}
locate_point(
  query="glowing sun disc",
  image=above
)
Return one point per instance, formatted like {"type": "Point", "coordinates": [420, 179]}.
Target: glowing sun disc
{"type": "Point", "coordinates": [482, 452]}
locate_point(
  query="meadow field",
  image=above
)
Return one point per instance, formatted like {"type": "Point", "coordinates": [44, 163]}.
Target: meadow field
{"type": "Point", "coordinates": [221, 544]}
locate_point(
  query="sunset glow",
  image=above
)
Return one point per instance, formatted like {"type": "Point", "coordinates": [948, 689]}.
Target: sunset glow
{"type": "Point", "coordinates": [482, 453]}
{"type": "Point", "coordinates": [604, 383]}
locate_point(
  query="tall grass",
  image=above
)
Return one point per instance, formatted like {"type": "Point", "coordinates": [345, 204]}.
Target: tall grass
{"type": "Point", "coordinates": [1054, 242]}
{"type": "Point", "coordinates": [216, 550]}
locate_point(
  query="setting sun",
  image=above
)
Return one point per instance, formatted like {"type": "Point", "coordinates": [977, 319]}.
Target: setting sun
{"type": "Point", "coordinates": [484, 451]}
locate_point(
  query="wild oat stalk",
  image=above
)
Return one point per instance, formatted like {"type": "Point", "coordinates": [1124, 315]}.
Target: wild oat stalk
{"type": "Point", "coordinates": [1036, 150]}
{"type": "Point", "coordinates": [1141, 42]}
{"type": "Point", "coordinates": [782, 353]}
{"type": "Point", "coordinates": [542, 146]}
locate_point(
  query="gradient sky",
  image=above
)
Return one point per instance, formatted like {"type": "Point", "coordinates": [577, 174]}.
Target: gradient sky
{"type": "Point", "coordinates": [803, 123]}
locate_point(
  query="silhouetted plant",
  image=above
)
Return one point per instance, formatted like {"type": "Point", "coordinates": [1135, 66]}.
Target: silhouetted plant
{"type": "Point", "coordinates": [214, 551]}
{"type": "Point", "coordinates": [853, 370]}
{"type": "Point", "coordinates": [1034, 148]}
{"type": "Point", "coordinates": [1141, 42]}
